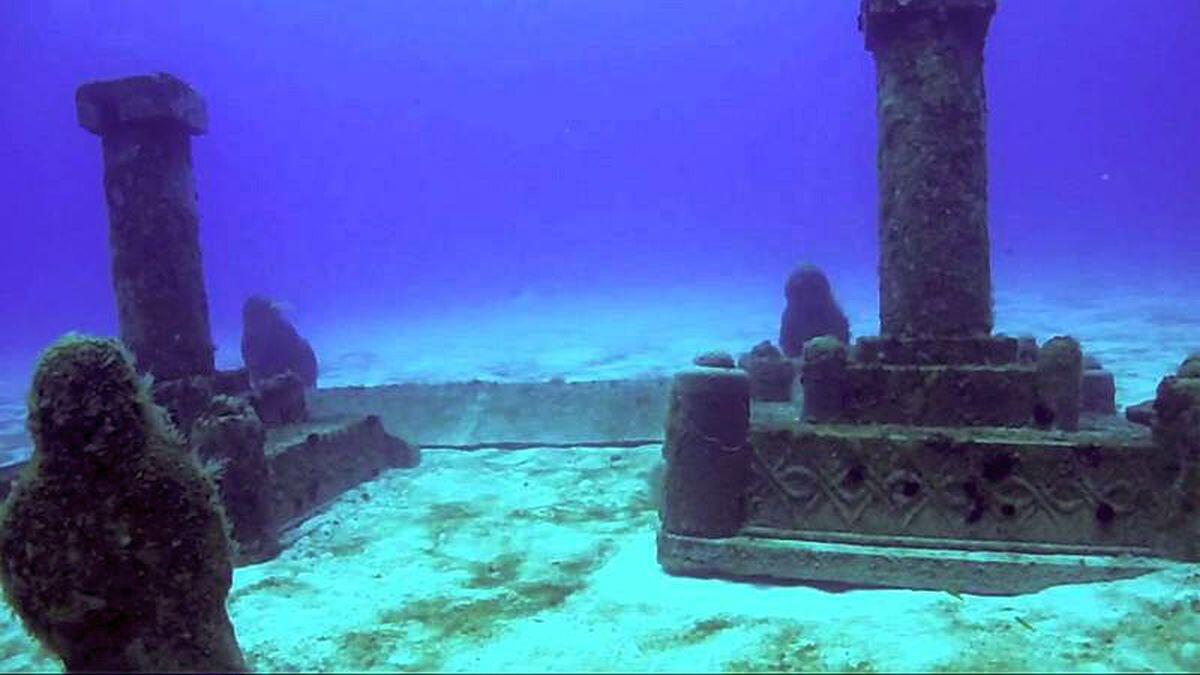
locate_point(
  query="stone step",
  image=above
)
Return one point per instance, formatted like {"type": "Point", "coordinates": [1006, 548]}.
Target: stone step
{"type": "Point", "coordinates": [946, 395]}
{"type": "Point", "coordinates": [895, 565]}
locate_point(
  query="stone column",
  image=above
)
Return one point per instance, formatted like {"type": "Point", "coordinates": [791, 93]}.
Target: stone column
{"type": "Point", "coordinates": [708, 453]}
{"type": "Point", "coordinates": [935, 278]}
{"type": "Point", "coordinates": [146, 123]}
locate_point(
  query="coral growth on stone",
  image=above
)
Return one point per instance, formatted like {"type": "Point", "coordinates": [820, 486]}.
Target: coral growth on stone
{"type": "Point", "coordinates": [115, 550]}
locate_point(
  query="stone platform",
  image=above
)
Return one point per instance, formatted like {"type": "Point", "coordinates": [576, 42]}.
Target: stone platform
{"type": "Point", "coordinates": [465, 415]}
{"type": "Point", "coordinates": [927, 565]}
{"type": "Point", "coordinates": [979, 510]}
{"type": "Point", "coordinates": [313, 463]}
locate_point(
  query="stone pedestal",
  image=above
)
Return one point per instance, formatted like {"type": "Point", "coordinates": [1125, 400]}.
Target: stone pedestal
{"type": "Point", "coordinates": [146, 124]}
{"type": "Point", "coordinates": [708, 458]}
{"type": "Point", "coordinates": [933, 238]}
{"type": "Point", "coordinates": [938, 455]}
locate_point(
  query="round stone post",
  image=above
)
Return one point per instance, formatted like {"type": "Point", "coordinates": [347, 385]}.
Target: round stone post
{"type": "Point", "coordinates": [934, 273]}
{"type": "Point", "coordinates": [707, 452]}
{"type": "Point", "coordinates": [146, 124]}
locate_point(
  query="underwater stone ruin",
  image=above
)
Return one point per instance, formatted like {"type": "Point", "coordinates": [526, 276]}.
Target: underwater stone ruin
{"type": "Point", "coordinates": [273, 462]}
{"type": "Point", "coordinates": [935, 455]}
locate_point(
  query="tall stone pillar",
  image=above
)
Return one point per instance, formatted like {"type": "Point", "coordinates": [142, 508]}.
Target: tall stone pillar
{"type": "Point", "coordinates": [934, 271]}
{"type": "Point", "coordinates": [146, 123]}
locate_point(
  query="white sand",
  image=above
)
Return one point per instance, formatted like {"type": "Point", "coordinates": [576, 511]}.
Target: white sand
{"type": "Point", "coordinates": [544, 559]}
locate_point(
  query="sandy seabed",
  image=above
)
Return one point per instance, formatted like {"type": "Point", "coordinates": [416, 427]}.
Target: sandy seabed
{"type": "Point", "coordinates": [539, 560]}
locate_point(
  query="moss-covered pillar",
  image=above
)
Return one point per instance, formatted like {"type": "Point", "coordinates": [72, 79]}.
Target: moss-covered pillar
{"type": "Point", "coordinates": [1177, 437]}
{"type": "Point", "coordinates": [146, 123]}
{"type": "Point", "coordinates": [1059, 384]}
{"type": "Point", "coordinates": [708, 453]}
{"type": "Point", "coordinates": [934, 273]}
{"type": "Point", "coordinates": [824, 378]}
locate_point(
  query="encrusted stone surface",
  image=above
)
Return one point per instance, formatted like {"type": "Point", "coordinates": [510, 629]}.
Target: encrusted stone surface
{"type": "Point", "coordinates": [104, 107]}
{"type": "Point", "coordinates": [1099, 392]}
{"type": "Point", "coordinates": [707, 454]}
{"type": "Point", "coordinates": [313, 463]}
{"type": "Point", "coordinates": [158, 278]}
{"type": "Point", "coordinates": [940, 395]}
{"type": "Point", "coordinates": [823, 379]}
{"type": "Point", "coordinates": [999, 488]}
{"type": "Point", "coordinates": [1059, 383]}
{"type": "Point", "coordinates": [974, 350]}
{"type": "Point", "coordinates": [770, 373]}
{"type": "Point", "coordinates": [280, 400]}
{"type": "Point", "coordinates": [895, 566]}
{"type": "Point", "coordinates": [934, 266]}
{"type": "Point", "coordinates": [229, 440]}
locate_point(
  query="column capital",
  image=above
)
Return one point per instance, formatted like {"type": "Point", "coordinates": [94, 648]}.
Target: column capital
{"type": "Point", "coordinates": [877, 17]}
{"type": "Point", "coordinates": [103, 107]}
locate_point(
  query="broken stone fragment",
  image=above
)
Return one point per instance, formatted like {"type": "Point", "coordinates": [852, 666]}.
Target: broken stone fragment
{"type": "Point", "coordinates": [229, 440]}
{"type": "Point", "coordinates": [770, 374]}
{"type": "Point", "coordinates": [823, 377]}
{"type": "Point", "coordinates": [811, 311]}
{"type": "Point", "coordinates": [184, 399]}
{"type": "Point", "coordinates": [707, 452]}
{"type": "Point", "coordinates": [279, 400]}
{"type": "Point", "coordinates": [1027, 349]}
{"type": "Point", "coordinates": [272, 346]}
{"type": "Point", "coordinates": [1190, 367]}
{"type": "Point", "coordinates": [934, 263]}
{"type": "Point", "coordinates": [1098, 392]}
{"type": "Point", "coordinates": [1059, 381]}
{"type": "Point", "coordinates": [1141, 413]}
{"type": "Point", "coordinates": [714, 359]}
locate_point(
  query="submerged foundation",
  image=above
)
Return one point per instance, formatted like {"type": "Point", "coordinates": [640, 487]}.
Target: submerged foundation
{"type": "Point", "coordinates": [938, 455]}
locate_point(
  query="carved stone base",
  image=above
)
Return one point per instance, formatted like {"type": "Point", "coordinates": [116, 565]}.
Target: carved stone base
{"type": "Point", "coordinates": [1005, 488]}
{"type": "Point", "coordinates": [895, 565]}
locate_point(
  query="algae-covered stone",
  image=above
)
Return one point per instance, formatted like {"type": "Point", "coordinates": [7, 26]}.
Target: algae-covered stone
{"type": "Point", "coordinates": [934, 265]}
{"type": "Point", "coordinates": [824, 380]}
{"type": "Point", "coordinates": [1190, 367]}
{"type": "Point", "coordinates": [770, 374]}
{"type": "Point", "coordinates": [1098, 392]}
{"type": "Point", "coordinates": [1059, 383]}
{"type": "Point", "coordinates": [811, 311]}
{"type": "Point", "coordinates": [146, 124]}
{"type": "Point", "coordinates": [279, 400]}
{"type": "Point", "coordinates": [230, 440]}
{"type": "Point", "coordinates": [707, 452]}
{"type": "Point", "coordinates": [115, 551]}
{"type": "Point", "coordinates": [714, 359]}
{"type": "Point", "coordinates": [272, 346]}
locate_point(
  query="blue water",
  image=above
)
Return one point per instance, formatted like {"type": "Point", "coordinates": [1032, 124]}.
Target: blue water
{"type": "Point", "coordinates": [384, 163]}
{"type": "Point", "coordinates": [377, 158]}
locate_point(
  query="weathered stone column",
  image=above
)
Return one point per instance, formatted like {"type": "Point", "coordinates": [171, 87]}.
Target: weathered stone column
{"type": "Point", "coordinates": [708, 453]}
{"type": "Point", "coordinates": [146, 123]}
{"type": "Point", "coordinates": [935, 278]}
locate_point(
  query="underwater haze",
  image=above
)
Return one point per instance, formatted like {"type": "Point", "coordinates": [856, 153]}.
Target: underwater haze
{"type": "Point", "coordinates": [529, 215]}
{"type": "Point", "coordinates": [388, 159]}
